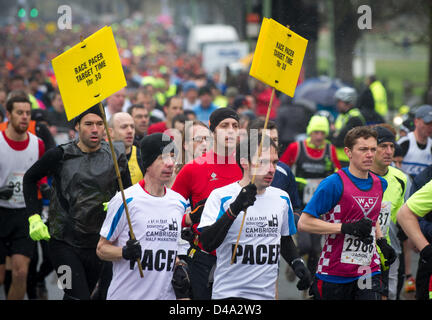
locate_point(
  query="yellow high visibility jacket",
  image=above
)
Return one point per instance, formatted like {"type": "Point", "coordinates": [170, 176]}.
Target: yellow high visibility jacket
{"type": "Point", "coordinates": [380, 97]}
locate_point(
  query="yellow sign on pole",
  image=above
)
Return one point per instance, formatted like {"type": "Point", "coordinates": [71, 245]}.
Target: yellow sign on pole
{"type": "Point", "coordinates": [89, 72]}
{"type": "Point", "coordinates": [278, 56]}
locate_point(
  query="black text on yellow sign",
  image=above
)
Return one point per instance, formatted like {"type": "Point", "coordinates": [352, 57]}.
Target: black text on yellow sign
{"type": "Point", "coordinates": [278, 56]}
{"type": "Point", "coordinates": [90, 70]}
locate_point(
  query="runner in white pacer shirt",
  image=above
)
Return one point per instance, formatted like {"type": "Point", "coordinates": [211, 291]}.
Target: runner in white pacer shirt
{"type": "Point", "coordinates": [156, 213]}
{"type": "Point", "coordinates": [266, 233]}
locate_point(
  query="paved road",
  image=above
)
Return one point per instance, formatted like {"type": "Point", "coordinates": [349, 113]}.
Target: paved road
{"type": "Point", "coordinates": [287, 290]}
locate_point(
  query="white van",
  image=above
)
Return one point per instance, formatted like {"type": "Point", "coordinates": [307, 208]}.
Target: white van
{"type": "Point", "coordinates": [210, 33]}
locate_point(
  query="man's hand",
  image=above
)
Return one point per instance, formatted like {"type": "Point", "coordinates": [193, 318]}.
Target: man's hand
{"type": "Point", "coordinates": [38, 229]}
{"type": "Point", "coordinates": [426, 257]}
{"type": "Point", "coordinates": [245, 199]}
{"type": "Point", "coordinates": [132, 251]}
{"type": "Point", "coordinates": [6, 192]}
{"type": "Point", "coordinates": [303, 273]}
{"type": "Point", "coordinates": [181, 281]}
{"type": "Point", "coordinates": [361, 229]}
{"type": "Point", "coordinates": [387, 251]}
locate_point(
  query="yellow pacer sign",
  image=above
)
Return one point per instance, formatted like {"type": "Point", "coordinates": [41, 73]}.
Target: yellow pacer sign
{"type": "Point", "coordinates": [89, 72]}
{"type": "Point", "coordinates": [278, 56]}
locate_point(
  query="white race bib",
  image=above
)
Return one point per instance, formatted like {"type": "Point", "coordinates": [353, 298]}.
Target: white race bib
{"type": "Point", "coordinates": [356, 251]}
{"type": "Point", "coordinates": [309, 189]}
{"type": "Point", "coordinates": [16, 179]}
{"type": "Point", "coordinates": [384, 217]}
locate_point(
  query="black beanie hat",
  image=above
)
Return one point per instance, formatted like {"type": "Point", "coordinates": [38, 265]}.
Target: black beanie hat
{"type": "Point", "coordinates": [95, 109]}
{"type": "Point", "coordinates": [384, 135]}
{"type": "Point", "coordinates": [153, 145]}
{"type": "Point", "coordinates": [221, 114]}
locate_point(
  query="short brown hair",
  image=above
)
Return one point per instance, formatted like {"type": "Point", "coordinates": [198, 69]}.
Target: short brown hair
{"type": "Point", "coordinates": [16, 96]}
{"type": "Point", "coordinates": [358, 132]}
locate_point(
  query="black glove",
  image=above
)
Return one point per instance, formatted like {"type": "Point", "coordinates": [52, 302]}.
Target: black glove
{"type": "Point", "coordinates": [361, 229]}
{"type": "Point", "coordinates": [181, 281]}
{"type": "Point", "coordinates": [132, 251]}
{"type": "Point", "coordinates": [45, 189]}
{"type": "Point", "coordinates": [303, 273]}
{"type": "Point", "coordinates": [387, 251]}
{"type": "Point", "coordinates": [426, 258]}
{"type": "Point", "coordinates": [196, 212]}
{"type": "Point", "coordinates": [6, 192]}
{"type": "Point", "coordinates": [187, 234]}
{"type": "Point", "coordinates": [245, 199]}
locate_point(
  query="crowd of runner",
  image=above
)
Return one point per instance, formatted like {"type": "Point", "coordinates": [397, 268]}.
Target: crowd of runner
{"type": "Point", "coordinates": [213, 200]}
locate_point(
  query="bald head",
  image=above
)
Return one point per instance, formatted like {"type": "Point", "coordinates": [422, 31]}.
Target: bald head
{"type": "Point", "coordinates": [122, 128]}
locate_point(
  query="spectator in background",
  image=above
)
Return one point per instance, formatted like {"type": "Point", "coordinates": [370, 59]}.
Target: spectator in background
{"type": "Point", "coordinates": [2, 115]}
{"type": "Point", "coordinates": [3, 95]}
{"type": "Point", "coordinates": [231, 94]}
{"type": "Point", "coordinates": [262, 93]}
{"type": "Point", "coordinates": [417, 145]}
{"type": "Point", "coordinates": [206, 106]}
{"type": "Point", "coordinates": [42, 128]}
{"type": "Point", "coordinates": [178, 122]}
{"type": "Point", "coordinates": [373, 101]}
{"type": "Point", "coordinates": [189, 114]}
{"type": "Point", "coordinates": [190, 92]}
{"type": "Point", "coordinates": [56, 116]}
{"type": "Point", "coordinates": [45, 88]}
{"type": "Point", "coordinates": [291, 120]}
{"type": "Point", "coordinates": [115, 103]}
{"type": "Point", "coordinates": [141, 118]}
{"type": "Point", "coordinates": [122, 128]}
{"type": "Point", "coordinates": [348, 118]}
{"type": "Point", "coordinates": [33, 85]}
{"type": "Point", "coordinates": [16, 82]}
{"type": "Point", "coordinates": [173, 107]}
{"type": "Point", "coordinates": [155, 111]}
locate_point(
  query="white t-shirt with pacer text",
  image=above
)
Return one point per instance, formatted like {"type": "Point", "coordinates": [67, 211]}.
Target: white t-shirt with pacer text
{"type": "Point", "coordinates": [156, 223]}
{"type": "Point", "coordinates": [254, 272]}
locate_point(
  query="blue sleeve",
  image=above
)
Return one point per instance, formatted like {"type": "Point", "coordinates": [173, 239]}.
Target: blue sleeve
{"type": "Point", "coordinates": [292, 226]}
{"type": "Point", "coordinates": [326, 196]}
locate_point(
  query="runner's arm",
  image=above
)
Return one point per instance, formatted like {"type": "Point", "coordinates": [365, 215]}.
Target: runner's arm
{"type": "Point", "coordinates": [289, 250]}
{"type": "Point", "coordinates": [311, 224]}
{"type": "Point", "coordinates": [407, 219]}
{"type": "Point", "coordinates": [105, 250]}
{"type": "Point", "coordinates": [41, 168]}
{"type": "Point", "coordinates": [212, 236]}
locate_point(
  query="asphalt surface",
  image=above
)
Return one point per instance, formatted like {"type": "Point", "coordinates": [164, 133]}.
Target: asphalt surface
{"type": "Point", "coordinates": [286, 290]}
